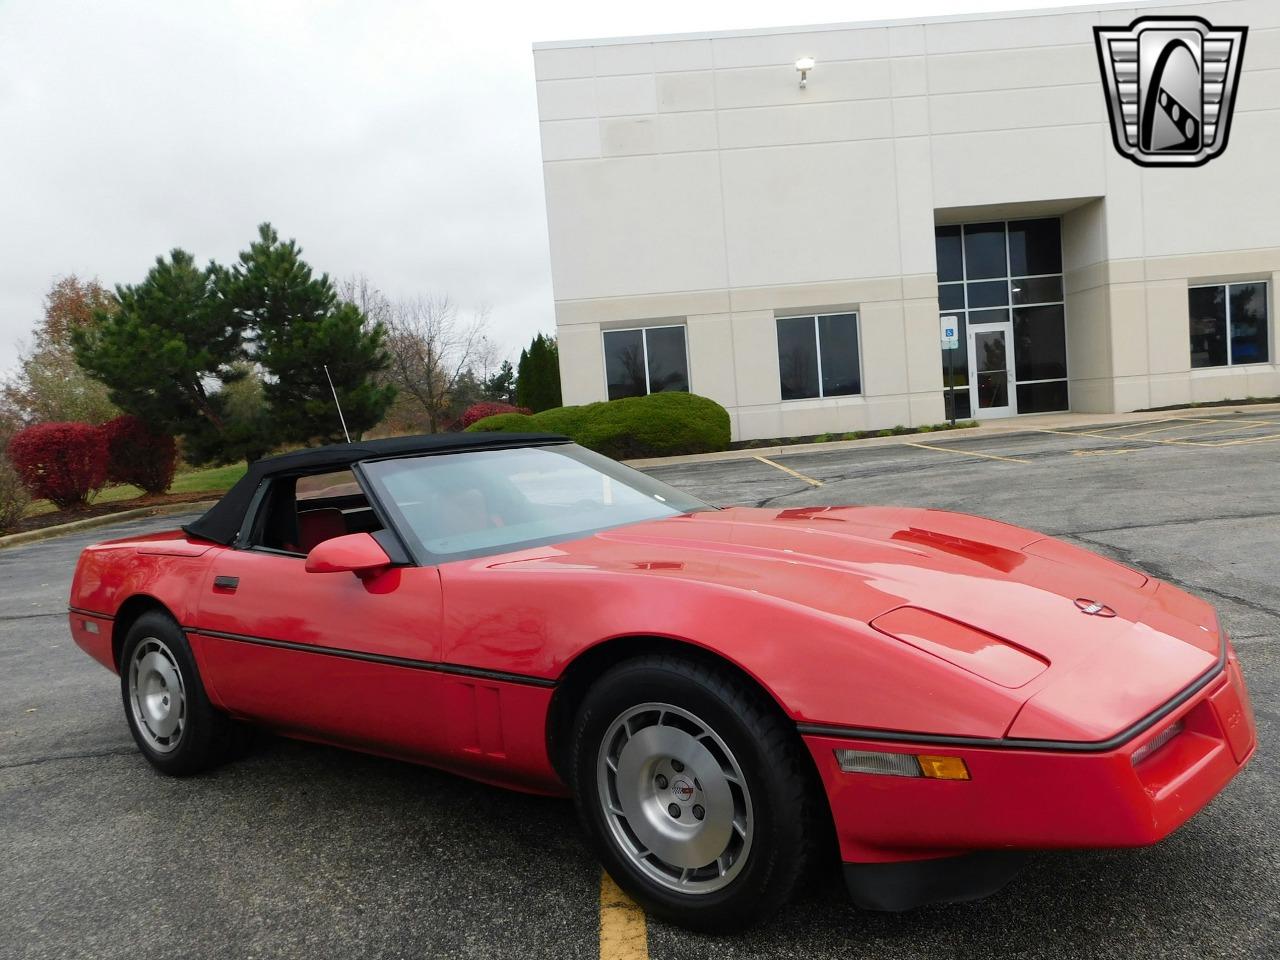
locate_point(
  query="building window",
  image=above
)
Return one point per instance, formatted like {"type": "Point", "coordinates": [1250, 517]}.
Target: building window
{"type": "Point", "coordinates": [1006, 271]}
{"type": "Point", "coordinates": [1228, 324]}
{"type": "Point", "coordinates": [646, 360]}
{"type": "Point", "coordinates": [818, 356]}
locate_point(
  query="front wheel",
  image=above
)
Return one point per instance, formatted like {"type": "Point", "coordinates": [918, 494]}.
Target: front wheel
{"type": "Point", "coordinates": [169, 714]}
{"type": "Point", "coordinates": [694, 792]}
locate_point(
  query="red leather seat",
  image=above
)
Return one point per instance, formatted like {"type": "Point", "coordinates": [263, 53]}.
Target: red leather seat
{"type": "Point", "coordinates": [317, 526]}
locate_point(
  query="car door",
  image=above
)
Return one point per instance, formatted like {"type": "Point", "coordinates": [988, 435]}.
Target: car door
{"type": "Point", "coordinates": [332, 656]}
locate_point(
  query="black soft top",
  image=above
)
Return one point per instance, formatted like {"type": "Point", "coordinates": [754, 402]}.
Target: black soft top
{"type": "Point", "coordinates": [222, 522]}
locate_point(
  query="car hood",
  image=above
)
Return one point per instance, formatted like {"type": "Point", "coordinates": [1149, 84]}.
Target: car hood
{"type": "Point", "coordinates": [1086, 644]}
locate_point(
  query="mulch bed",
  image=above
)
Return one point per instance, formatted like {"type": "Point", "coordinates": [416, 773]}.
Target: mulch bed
{"type": "Point", "coordinates": [101, 509]}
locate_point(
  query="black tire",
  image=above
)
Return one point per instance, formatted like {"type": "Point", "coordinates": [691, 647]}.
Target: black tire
{"type": "Point", "coordinates": [204, 736]}
{"type": "Point", "coordinates": [759, 744]}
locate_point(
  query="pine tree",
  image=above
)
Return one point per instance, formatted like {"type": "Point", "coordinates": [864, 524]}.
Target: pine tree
{"type": "Point", "coordinates": [163, 351]}
{"type": "Point", "coordinates": [538, 375]}
{"type": "Point", "coordinates": [501, 387]}
{"type": "Point", "coordinates": [297, 326]}
{"type": "Point", "coordinates": [550, 388]}
{"type": "Point", "coordinates": [523, 377]}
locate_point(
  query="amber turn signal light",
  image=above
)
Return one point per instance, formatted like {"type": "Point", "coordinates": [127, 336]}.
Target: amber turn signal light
{"type": "Point", "coordinates": [943, 768]}
{"type": "Point", "coordinates": [902, 764]}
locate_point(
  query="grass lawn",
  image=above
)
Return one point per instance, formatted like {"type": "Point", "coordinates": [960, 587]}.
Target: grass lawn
{"type": "Point", "coordinates": [212, 480]}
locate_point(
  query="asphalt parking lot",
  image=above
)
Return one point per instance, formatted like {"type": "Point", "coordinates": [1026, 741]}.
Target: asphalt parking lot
{"type": "Point", "coordinates": [304, 851]}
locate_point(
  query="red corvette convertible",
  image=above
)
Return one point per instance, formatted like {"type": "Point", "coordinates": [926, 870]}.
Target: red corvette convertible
{"type": "Point", "coordinates": [727, 694]}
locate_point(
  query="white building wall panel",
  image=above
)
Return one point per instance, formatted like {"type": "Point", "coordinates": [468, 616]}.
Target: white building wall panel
{"type": "Point", "coordinates": [691, 179]}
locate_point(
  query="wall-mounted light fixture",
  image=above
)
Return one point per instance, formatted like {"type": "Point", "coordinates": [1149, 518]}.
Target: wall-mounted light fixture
{"type": "Point", "coordinates": [803, 66]}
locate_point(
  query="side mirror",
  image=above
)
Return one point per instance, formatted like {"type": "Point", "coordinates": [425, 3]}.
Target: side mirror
{"type": "Point", "coordinates": [356, 553]}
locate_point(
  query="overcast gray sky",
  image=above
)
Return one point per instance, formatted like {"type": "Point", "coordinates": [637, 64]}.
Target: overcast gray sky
{"type": "Point", "coordinates": [394, 139]}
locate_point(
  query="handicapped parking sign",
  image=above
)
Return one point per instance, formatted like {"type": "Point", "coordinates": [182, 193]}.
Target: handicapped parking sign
{"type": "Point", "coordinates": [950, 330]}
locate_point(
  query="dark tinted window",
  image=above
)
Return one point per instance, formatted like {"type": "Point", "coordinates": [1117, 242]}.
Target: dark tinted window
{"type": "Point", "coordinates": [1248, 323]}
{"type": "Point", "coordinates": [668, 365]}
{"type": "Point", "coordinates": [624, 363]}
{"type": "Point", "coordinates": [813, 347]}
{"type": "Point", "coordinates": [797, 358]}
{"type": "Point", "coordinates": [984, 254]}
{"type": "Point", "coordinates": [1037, 290]}
{"type": "Point", "coordinates": [1040, 344]}
{"type": "Point", "coordinates": [951, 296]}
{"type": "Point", "coordinates": [1042, 397]}
{"type": "Point", "coordinates": [838, 337]}
{"type": "Point", "coordinates": [992, 293]}
{"type": "Point", "coordinates": [989, 316]}
{"type": "Point", "coordinates": [1208, 307]}
{"type": "Point", "coordinates": [950, 259]}
{"type": "Point", "coordinates": [1035, 246]}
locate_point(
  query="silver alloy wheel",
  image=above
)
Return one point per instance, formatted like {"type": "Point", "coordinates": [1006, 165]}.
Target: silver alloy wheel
{"type": "Point", "coordinates": [157, 695]}
{"type": "Point", "coordinates": [675, 798]}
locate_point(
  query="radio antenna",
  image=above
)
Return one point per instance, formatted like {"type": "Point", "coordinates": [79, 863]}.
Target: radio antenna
{"type": "Point", "coordinates": [341, 418]}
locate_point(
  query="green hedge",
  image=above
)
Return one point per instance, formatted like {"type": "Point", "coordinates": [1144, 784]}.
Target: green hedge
{"type": "Point", "coordinates": [659, 425]}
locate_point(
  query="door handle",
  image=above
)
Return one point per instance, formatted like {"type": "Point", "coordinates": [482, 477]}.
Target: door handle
{"type": "Point", "coordinates": [226, 583]}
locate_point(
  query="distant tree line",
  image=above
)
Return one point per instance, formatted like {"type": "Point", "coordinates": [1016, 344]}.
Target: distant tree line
{"type": "Point", "coordinates": [178, 351]}
{"type": "Point", "coordinates": [231, 360]}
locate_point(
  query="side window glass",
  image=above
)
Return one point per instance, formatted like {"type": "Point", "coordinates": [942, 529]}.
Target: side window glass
{"type": "Point", "coordinates": [298, 513]}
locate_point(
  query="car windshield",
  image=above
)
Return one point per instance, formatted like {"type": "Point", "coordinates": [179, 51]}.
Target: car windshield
{"type": "Point", "coordinates": [481, 502]}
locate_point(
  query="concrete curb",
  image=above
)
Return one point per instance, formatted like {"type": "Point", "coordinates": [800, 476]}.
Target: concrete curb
{"type": "Point", "coordinates": [105, 520]}
{"type": "Point", "coordinates": [993, 428]}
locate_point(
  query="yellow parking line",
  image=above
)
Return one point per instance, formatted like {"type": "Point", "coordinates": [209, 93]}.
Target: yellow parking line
{"type": "Point", "coordinates": [967, 453]}
{"type": "Point", "coordinates": [798, 476]}
{"type": "Point", "coordinates": [1099, 436]}
{"type": "Point", "coordinates": [623, 932]}
{"type": "Point", "coordinates": [1258, 423]}
{"type": "Point", "coordinates": [1106, 453]}
{"type": "Point", "coordinates": [1232, 443]}
{"type": "Point", "coordinates": [1171, 424]}
{"type": "Point", "coordinates": [1236, 428]}
{"type": "Point", "coordinates": [1115, 426]}
{"type": "Point", "coordinates": [1140, 439]}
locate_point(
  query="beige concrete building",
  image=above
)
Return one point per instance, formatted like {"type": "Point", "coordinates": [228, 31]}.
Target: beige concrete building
{"type": "Point", "coordinates": [788, 249]}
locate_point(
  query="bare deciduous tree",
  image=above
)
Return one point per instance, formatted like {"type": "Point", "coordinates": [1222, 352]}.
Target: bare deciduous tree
{"type": "Point", "coordinates": [368, 299]}
{"type": "Point", "coordinates": [433, 348]}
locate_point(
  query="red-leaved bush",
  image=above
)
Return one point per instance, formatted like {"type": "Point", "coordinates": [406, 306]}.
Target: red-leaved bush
{"type": "Point", "coordinates": [61, 462]}
{"type": "Point", "coordinates": [139, 454]}
{"type": "Point", "coordinates": [478, 411]}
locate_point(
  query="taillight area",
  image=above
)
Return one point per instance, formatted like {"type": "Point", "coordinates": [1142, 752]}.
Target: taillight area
{"type": "Point", "coordinates": [1156, 742]}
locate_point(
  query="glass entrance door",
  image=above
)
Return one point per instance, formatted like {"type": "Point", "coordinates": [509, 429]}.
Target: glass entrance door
{"type": "Point", "coordinates": [990, 373]}
{"type": "Point", "coordinates": [999, 271]}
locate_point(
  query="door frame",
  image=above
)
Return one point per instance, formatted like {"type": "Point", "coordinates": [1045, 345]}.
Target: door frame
{"type": "Point", "coordinates": [1010, 409]}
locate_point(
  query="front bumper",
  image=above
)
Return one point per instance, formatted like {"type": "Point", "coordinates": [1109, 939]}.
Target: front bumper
{"type": "Point", "coordinates": [92, 633]}
{"type": "Point", "coordinates": [1028, 799]}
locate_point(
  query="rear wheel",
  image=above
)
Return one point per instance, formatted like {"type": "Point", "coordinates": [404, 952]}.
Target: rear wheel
{"type": "Point", "coordinates": [169, 715]}
{"type": "Point", "coordinates": [694, 791]}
